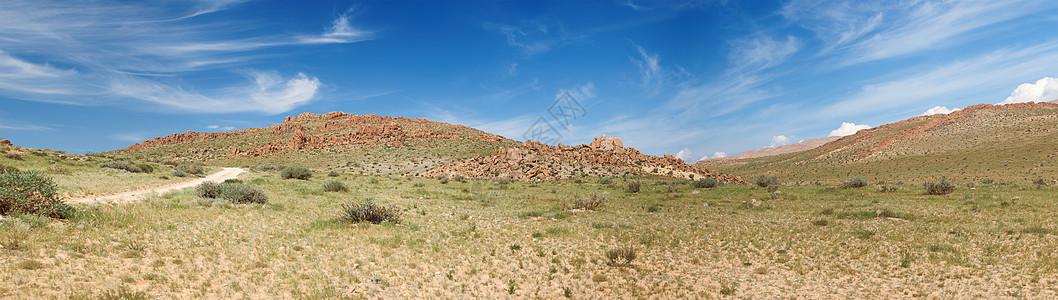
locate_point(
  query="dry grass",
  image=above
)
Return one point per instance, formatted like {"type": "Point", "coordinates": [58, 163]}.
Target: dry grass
{"type": "Point", "coordinates": [458, 241]}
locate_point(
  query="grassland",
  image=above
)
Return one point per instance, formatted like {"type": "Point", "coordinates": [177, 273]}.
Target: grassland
{"type": "Point", "coordinates": [483, 239]}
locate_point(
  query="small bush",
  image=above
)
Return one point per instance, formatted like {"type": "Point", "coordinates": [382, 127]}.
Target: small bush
{"type": "Point", "coordinates": [705, 183]}
{"type": "Point", "coordinates": [887, 188]}
{"type": "Point", "coordinates": [621, 256]}
{"type": "Point", "coordinates": [14, 156]}
{"type": "Point", "coordinates": [605, 181]}
{"type": "Point", "coordinates": [504, 181]}
{"type": "Point", "coordinates": [633, 186]}
{"type": "Point", "coordinates": [169, 162]}
{"type": "Point", "coordinates": [368, 211]}
{"type": "Point", "coordinates": [179, 173]}
{"type": "Point", "coordinates": [772, 188]}
{"type": "Point", "coordinates": [988, 181]}
{"type": "Point", "coordinates": [58, 169]}
{"type": "Point", "coordinates": [302, 173]}
{"type": "Point", "coordinates": [266, 167]}
{"type": "Point", "coordinates": [939, 188]}
{"type": "Point", "coordinates": [591, 203]}
{"type": "Point", "coordinates": [333, 174]}
{"type": "Point", "coordinates": [444, 180]}
{"type": "Point", "coordinates": [335, 186]}
{"type": "Point", "coordinates": [31, 193]}
{"type": "Point", "coordinates": [855, 182]}
{"type": "Point", "coordinates": [460, 179]}
{"type": "Point", "coordinates": [766, 180]}
{"type": "Point", "coordinates": [1041, 181]}
{"type": "Point", "coordinates": [191, 168]}
{"type": "Point", "coordinates": [231, 191]}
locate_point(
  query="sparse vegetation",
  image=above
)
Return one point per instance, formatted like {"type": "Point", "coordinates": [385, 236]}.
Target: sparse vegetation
{"type": "Point", "coordinates": [369, 211]}
{"type": "Point", "coordinates": [231, 191]}
{"type": "Point", "coordinates": [31, 193]}
{"type": "Point", "coordinates": [633, 186]}
{"type": "Point", "coordinates": [266, 168]}
{"type": "Point", "coordinates": [14, 156]}
{"type": "Point", "coordinates": [191, 168]}
{"type": "Point", "coordinates": [296, 173]}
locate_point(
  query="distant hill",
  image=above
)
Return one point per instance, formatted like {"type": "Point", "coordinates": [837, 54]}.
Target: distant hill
{"type": "Point", "coordinates": [769, 151]}
{"type": "Point", "coordinates": [366, 144]}
{"type": "Point", "coordinates": [1016, 142]}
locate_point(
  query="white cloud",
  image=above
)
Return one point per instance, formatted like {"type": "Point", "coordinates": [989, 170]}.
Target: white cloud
{"type": "Point", "coordinates": [684, 154]}
{"type": "Point", "coordinates": [939, 110]}
{"type": "Point", "coordinates": [779, 140]}
{"type": "Point", "coordinates": [224, 128]}
{"type": "Point", "coordinates": [1045, 89]}
{"type": "Point", "coordinates": [756, 54]}
{"type": "Point", "coordinates": [848, 129]}
{"type": "Point", "coordinates": [717, 154]}
{"type": "Point", "coordinates": [648, 65]}
{"type": "Point", "coordinates": [107, 53]}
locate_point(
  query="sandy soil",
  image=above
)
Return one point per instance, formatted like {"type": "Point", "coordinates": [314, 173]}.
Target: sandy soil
{"type": "Point", "coordinates": [226, 173]}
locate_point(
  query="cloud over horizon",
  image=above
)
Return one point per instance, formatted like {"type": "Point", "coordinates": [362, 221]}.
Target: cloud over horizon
{"type": "Point", "coordinates": [1044, 90]}
{"type": "Point", "coordinates": [848, 129]}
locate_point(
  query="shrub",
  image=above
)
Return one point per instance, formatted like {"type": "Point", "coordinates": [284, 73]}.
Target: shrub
{"type": "Point", "coordinates": [855, 182]}
{"type": "Point", "coordinates": [232, 180]}
{"type": "Point", "coordinates": [766, 180]}
{"type": "Point", "coordinates": [605, 181]}
{"type": "Point", "coordinates": [145, 168]}
{"type": "Point", "coordinates": [988, 181]}
{"type": "Point", "coordinates": [179, 173]}
{"type": "Point", "coordinates": [31, 193]}
{"type": "Point", "coordinates": [335, 186]}
{"type": "Point", "coordinates": [633, 186]}
{"type": "Point", "coordinates": [591, 203]}
{"type": "Point", "coordinates": [231, 191]}
{"type": "Point", "coordinates": [191, 168]}
{"type": "Point", "coordinates": [14, 156]}
{"type": "Point", "coordinates": [887, 188]}
{"type": "Point", "coordinates": [460, 179]}
{"type": "Point", "coordinates": [504, 181]}
{"type": "Point", "coordinates": [333, 174]}
{"type": "Point", "coordinates": [266, 167]}
{"type": "Point", "coordinates": [772, 188]}
{"type": "Point", "coordinates": [58, 169]}
{"type": "Point", "coordinates": [1041, 181]}
{"type": "Point", "coordinates": [705, 183]}
{"type": "Point", "coordinates": [168, 162]}
{"type": "Point", "coordinates": [939, 188]}
{"type": "Point", "coordinates": [621, 256]}
{"type": "Point", "coordinates": [444, 180]}
{"type": "Point", "coordinates": [368, 211]}
{"type": "Point", "coordinates": [302, 173]}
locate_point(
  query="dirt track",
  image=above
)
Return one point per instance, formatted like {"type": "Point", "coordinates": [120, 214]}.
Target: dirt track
{"type": "Point", "coordinates": [226, 173]}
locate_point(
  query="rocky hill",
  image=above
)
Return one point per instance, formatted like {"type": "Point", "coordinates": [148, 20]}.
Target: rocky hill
{"type": "Point", "coordinates": [604, 157]}
{"type": "Point", "coordinates": [367, 144]}
{"type": "Point", "coordinates": [808, 144]}
{"type": "Point", "coordinates": [1016, 142]}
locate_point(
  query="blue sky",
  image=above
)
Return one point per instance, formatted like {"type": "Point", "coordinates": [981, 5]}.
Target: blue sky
{"type": "Point", "coordinates": [693, 78]}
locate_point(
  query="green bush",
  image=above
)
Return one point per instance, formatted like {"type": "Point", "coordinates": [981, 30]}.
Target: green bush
{"type": "Point", "coordinates": [334, 174]}
{"type": "Point", "coordinates": [31, 193]}
{"type": "Point", "coordinates": [705, 183]}
{"type": "Point", "coordinates": [444, 180]}
{"type": "Point", "coordinates": [335, 186]}
{"type": "Point", "coordinates": [622, 256]}
{"type": "Point", "coordinates": [460, 178]}
{"type": "Point", "coordinates": [14, 156]}
{"type": "Point", "coordinates": [766, 180]}
{"type": "Point", "coordinates": [145, 168]}
{"type": "Point", "coordinates": [855, 182]}
{"type": "Point", "coordinates": [302, 173]}
{"type": "Point", "coordinates": [368, 211]}
{"type": "Point", "coordinates": [605, 181]}
{"type": "Point", "coordinates": [939, 188]}
{"type": "Point", "coordinates": [266, 167]}
{"type": "Point", "coordinates": [179, 173]}
{"type": "Point", "coordinates": [772, 188]}
{"type": "Point", "coordinates": [231, 191]}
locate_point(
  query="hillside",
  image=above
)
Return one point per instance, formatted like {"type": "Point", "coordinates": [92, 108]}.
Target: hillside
{"type": "Point", "coordinates": [365, 144]}
{"type": "Point", "coordinates": [604, 157]}
{"type": "Point", "coordinates": [1014, 142]}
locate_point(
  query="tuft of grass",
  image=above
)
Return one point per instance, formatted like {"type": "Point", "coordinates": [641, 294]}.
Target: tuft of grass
{"type": "Point", "coordinates": [14, 156]}
{"type": "Point", "coordinates": [29, 264]}
{"type": "Point", "coordinates": [621, 256]}
{"type": "Point", "coordinates": [266, 168]}
{"type": "Point", "coordinates": [821, 222]}
{"type": "Point", "coordinates": [766, 180]}
{"type": "Point", "coordinates": [231, 191]}
{"type": "Point", "coordinates": [855, 183]}
{"type": "Point", "coordinates": [179, 173]}
{"type": "Point", "coordinates": [369, 211]}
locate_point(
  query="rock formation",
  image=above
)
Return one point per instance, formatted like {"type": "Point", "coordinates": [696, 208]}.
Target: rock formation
{"type": "Point", "coordinates": [605, 156]}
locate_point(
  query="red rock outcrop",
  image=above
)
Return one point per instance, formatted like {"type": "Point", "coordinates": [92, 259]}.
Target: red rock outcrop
{"type": "Point", "coordinates": [5, 143]}
{"type": "Point", "coordinates": [605, 156]}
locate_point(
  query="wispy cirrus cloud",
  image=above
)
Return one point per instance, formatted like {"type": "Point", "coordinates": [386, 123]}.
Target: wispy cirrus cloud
{"type": "Point", "coordinates": [113, 52]}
